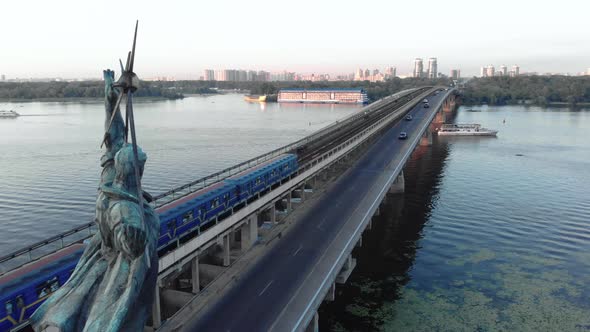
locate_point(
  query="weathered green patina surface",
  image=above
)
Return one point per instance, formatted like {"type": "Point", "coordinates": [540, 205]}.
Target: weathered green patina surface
{"type": "Point", "coordinates": [113, 284]}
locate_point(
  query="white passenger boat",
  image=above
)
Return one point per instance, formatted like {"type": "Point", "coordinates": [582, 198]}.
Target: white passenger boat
{"type": "Point", "coordinates": [8, 114]}
{"type": "Point", "coordinates": [467, 129]}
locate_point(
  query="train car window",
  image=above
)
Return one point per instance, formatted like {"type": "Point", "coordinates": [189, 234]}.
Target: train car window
{"type": "Point", "coordinates": [54, 284]}
{"type": "Point", "coordinates": [258, 181]}
{"type": "Point", "coordinates": [187, 217]}
{"type": "Point", "coordinates": [43, 290]}
{"type": "Point", "coordinates": [20, 303]}
{"type": "Point", "coordinates": [202, 210]}
{"type": "Point", "coordinates": [171, 224]}
{"type": "Point", "coordinates": [9, 307]}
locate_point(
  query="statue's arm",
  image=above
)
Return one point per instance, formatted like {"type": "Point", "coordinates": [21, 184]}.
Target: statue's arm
{"type": "Point", "coordinates": [129, 231]}
{"type": "Point", "coordinates": [115, 134]}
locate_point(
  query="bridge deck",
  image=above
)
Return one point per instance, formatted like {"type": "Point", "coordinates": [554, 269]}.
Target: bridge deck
{"type": "Point", "coordinates": [279, 290]}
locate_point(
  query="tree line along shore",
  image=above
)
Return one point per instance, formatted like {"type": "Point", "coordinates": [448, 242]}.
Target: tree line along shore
{"type": "Point", "coordinates": [537, 90]}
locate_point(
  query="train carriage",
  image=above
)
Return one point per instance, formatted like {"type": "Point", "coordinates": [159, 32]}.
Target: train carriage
{"type": "Point", "coordinates": [22, 291]}
{"type": "Point", "coordinates": [184, 215]}
{"type": "Point", "coordinates": [256, 179]}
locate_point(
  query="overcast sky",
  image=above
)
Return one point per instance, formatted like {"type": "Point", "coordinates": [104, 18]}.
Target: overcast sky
{"type": "Point", "coordinates": [66, 38]}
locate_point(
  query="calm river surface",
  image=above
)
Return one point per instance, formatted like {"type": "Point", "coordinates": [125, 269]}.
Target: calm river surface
{"type": "Point", "coordinates": [49, 157]}
{"type": "Point", "coordinates": [491, 234]}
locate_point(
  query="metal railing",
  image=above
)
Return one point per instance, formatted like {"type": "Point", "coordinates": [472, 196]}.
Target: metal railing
{"type": "Point", "coordinates": [178, 192]}
{"type": "Point", "coordinates": [37, 250]}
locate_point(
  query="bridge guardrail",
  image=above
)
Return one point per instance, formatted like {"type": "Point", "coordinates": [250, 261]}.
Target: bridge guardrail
{"type": "Point", "coordinates": [170, 260]}
{"type": "Point", "coordinates": [359, 136]}
{"type": "Point", "coordinates": [17, 259]}
{"type": "Point", "coordinates": [178, 192]}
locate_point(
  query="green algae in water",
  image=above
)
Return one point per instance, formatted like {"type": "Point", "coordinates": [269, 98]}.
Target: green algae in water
{"type": "Point", "coordinates": [475, 258]}
{"type": "Point", "coordinates": [522, 301]}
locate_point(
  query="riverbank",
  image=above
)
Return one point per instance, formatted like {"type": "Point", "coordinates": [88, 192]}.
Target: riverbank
{"type": "Point", "coordinates": [80, 100]}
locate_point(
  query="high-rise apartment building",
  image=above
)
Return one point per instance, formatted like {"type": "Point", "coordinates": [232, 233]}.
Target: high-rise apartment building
{"type": "Point", "coordinates": [209, 75]}
{"type": "Point", "coordinates": [418, 67]}
{"type": "Point", "coordinates": [490, 71]}
{"type": "Point", "coordinates": [455, 74]}
{"type": "Point", "coordinates": [516, 70]}
{"type": "Point", "coordinates": [359, 74]}
{"type": "Point", "coordinates": [504, 70]}
{"type": "Point", "coordinates": [3, 77]}
{"type": "Point", "coordinates": [432, 68]}
{"type": "Point", "coordinates": [367, 74]}
{"type": "Point", "coordinates": [390, 72]}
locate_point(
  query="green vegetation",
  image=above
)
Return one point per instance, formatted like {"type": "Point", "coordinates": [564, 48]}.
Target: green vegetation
{"type": "Point", "coordinates": [375, 90]}
{"type": "Point", "coordinates": [86, 89]}
{"type": "Point", "coordinates": [539, 90]}
{"type": "Point", "coordinates": [177, 89]}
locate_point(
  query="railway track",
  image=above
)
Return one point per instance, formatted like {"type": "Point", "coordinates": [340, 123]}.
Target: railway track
{"type": "Point", "coordinates": [316, 148]}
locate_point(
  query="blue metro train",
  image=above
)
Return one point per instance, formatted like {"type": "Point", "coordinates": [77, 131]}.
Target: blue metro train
{"type": "Point", "coordinates": [24, 289]}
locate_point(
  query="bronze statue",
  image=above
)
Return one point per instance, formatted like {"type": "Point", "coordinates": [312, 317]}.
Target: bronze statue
{"type": "Point", "coordinates": [113, 284]}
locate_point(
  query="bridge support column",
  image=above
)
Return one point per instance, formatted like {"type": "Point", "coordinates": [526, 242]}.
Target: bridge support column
{"type": "Point", "coordinates": [273, 214]}
{"type": "Point", "coordinates": [249, 233]}
{"type": "Point", "coordinates": [226, 250]}
{"type": "Point", "coordinates": [360, 243]}
{"type": "Point", "coordinates": [156, 309]}
{"type": "Point", "coordinates": [331, 296]}
{"type": "Point", "coordinates": [195, 275]}
{"type": "Point", "coordinates": [302, 191]}
{"type": "Point", "coordinates": [289, 203]}
{"type": "Point", "coordinates": [440, 116]}
{"type": "Point", "coordinates": [377, 212]}
{"type": "Point", "coordinates": [314, 325]}
{"type": "Point", "coordinates": [398, 185]}
{"type": "Point", "coordinates": [426, 139]}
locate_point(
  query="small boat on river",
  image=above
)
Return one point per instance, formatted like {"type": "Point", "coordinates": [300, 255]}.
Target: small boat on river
{"type": "Point", "coordinates": [466, 129]}
{"type": "Point", "coordinates": [253, 98]}
{"type": "Point", "coordinates": [8, 114]}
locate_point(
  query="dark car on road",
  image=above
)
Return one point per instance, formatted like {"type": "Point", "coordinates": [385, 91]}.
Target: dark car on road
{"type": "Point", "coordinates": [408, 118]}
{"type": "Point", "coordinates": [403, 135]}
{"type": "Point", "coordinates": [426, 105]}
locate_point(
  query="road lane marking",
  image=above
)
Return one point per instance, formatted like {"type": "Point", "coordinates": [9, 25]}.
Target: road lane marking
{"type": "Point", "coordinates": [265, 288]}
{"type": "Point", "coordinates": [396, 170]}
{"type": "Point", "coordinates": [298, 249]}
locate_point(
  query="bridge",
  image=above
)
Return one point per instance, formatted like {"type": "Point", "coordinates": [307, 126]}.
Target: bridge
{"type": "Point", "coordinates": [274, 260]}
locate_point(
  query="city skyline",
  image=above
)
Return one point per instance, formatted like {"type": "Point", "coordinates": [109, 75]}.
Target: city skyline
{"type": "Point", "coordinates": [72, 40]}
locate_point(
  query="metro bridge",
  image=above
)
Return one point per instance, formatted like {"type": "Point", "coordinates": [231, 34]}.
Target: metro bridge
{"type": "Point", "coordinates": [271, 260]}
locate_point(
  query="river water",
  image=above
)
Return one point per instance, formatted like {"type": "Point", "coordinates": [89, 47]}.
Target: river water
{"type": "Point", "coordinates": [49, 160]}
{"type": "Point", "coordinates": [491, 233]}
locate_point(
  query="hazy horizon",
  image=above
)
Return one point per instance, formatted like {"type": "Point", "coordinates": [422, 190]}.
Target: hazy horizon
{"type": "Point", "coordinates": [179, 39]}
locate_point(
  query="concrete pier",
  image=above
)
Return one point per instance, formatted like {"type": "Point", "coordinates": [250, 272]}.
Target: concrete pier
{"type": "Point", "coordinates": [314, 325]}
{"type": "Point", "coordinates": [398, 185]}
{"type": "Point", "coordinates": [426, 139]}
{"type": "Point", "coordinates": [195, 280]}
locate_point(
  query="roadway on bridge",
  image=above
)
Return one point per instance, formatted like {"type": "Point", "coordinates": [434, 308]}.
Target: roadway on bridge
{"type": "Point", "coordinates": [264, 294]}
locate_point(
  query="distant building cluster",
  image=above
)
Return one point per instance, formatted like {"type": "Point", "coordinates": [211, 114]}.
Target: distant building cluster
{"type": "Point", "coordinates": [239, 75]}
{"type": "Point", "coordinates": [490, 71]}
{"type": "Point", "coordinates": [3, 78]}
{"type": "Point", "coordinates": [375, 75]}
{"type": "Point", "coordinates": [455, 74]}
{"type": "Point", "coordinates": [431, 71]}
